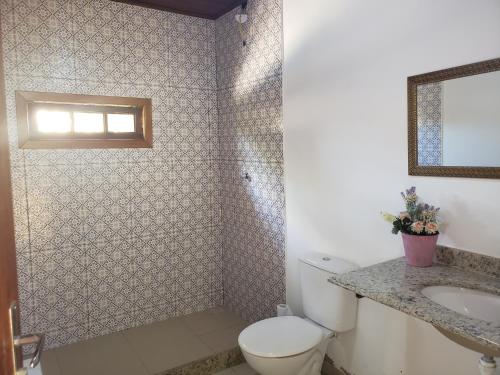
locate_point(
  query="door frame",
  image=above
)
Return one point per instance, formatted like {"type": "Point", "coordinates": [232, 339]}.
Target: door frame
{"type": "Point", "coordinates": [8, 270]}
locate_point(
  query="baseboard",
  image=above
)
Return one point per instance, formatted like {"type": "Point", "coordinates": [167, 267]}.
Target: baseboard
{"type": "Point", "coordinates": [329, 368]}
{"type": "Point", "coordinates": [234, 357]}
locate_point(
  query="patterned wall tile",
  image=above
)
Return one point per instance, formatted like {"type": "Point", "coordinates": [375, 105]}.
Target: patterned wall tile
{"type": "Point", "coordinates": [145, 41]}
{"type": "Point", "coordinates": [65, 336]}
{"type": "Point", "coordinates": [55, 199]}
{"type": "Point", "coordinates": [60, 288]}
{"type": "Point", "coordinates": [265, 40]}
{"type": "Point", "coordinates": [195, 193]}
{"type": "Point", "coordinates": [9, 42]}
{"type": "Point", "coordinates": [265, 188]}
{"type": "Point", "coordinates": [254, 107]}
{"type": "Point", "coordinates": [261, 56]}
{"type": "Point", "coordinates": [216, 265]}
{"type": "Point", "coordinates": [112, 296]}
{"type": "Point", "coordinates": [213, 122]}
{"type": "Point", "coordinates": [259, 205]}
{"type": "Point", "coordinates": [99, 40]}
{"type": "Point", "coordinates": [185, 130]}
{"type": "Point", "coordinates": [251, 156]}
{"type": "Point", "coordinates": [116, 236]}
{"type": "Point", "coordinates": [162, 103]}
{"type": "Point", "coordinates": [43, 30]}
{"type": "Point", "coordinates": [212, 55]}
{"type": "Point", "coordinates": [151, 198]}
{"type": "Point", "coordinates": [16, 154]}
{"type": "Point", "coordinates": [190, 60]}
{"type": "Point", "coordinates": [18, 182]}
{"type": "Point", "coordinates": [106, 202]}
{"type": "Point", "coordinates": [250, 123]}
{"type": "Point", "coordinates": [254, 273]}
{"type": "Point", "coordinates": [192, 304]}
{"type": "Point", "coordinates": [156, 281]}
{"type": "Point", "coordinates": [189, 108]}
{"type": "Point", "coordinates": [196, 254]}
{"type": "Point", "coordinates": [162, 311]}
{"type": "Point", "coordinates": [252, 147]}
{"type": "Point", "coordinates": [254, 239]}
{"type": "Point", "coordinates": [25, 290]}
{"type": "Point", "coordinates": [430, 124]}
{"type": "Point", "coordinates": [229, 181]}
{"type": "Point", "coordinates": [230, 50]}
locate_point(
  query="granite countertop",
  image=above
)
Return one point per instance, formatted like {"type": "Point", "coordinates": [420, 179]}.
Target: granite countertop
{"type": "Point", "coordinates": [397, 285]}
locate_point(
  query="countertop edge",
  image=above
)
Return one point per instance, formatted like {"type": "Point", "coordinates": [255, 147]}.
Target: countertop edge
{"type": "Point", "coordinates": [408, 307]}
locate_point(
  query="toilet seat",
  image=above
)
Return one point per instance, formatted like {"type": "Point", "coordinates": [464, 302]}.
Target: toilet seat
{"type": "Point", "coordinates": [279, 337]}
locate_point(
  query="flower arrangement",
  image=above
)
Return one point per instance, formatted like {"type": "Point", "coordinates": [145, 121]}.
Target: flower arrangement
{"type": "Point", "coordinates": [418, 219]}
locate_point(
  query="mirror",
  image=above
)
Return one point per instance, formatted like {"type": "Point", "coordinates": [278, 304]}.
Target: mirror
{"type": "Point", "coordinates": [454, 121]}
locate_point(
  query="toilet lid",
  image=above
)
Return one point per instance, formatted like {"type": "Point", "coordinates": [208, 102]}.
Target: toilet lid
{"type": "Point", "coordinates": [283, 336]}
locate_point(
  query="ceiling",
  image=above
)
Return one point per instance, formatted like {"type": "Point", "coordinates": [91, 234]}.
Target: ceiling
{"type": "Point", "coordinates": [210, 9]}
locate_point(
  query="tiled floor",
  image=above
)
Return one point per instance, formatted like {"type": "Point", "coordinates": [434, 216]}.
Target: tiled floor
{"type": "Point", "coordinates": [242, 369]}
{"type": "Point", "coordinates": [149, 349]}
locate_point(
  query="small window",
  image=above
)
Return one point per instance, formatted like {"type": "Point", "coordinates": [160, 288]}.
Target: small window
{"type": "Point", "coordinates": [50, 120]}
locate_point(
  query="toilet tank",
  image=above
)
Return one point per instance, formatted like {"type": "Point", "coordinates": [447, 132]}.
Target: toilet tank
{"type": "Point", "coordinates": [327, 304]}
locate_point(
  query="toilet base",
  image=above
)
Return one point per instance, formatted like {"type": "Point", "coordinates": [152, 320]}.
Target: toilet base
{"type": "Point", "coordinates": [308, 363]}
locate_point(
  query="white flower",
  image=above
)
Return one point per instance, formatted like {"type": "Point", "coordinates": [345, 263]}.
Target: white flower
{"type": "Point", "coordinates": [411, 198]}
{"type": "Point", "coordinates": [417, 227]}
{"type": "Point", "coordinates": [431, 227]}
{"type": "Point", "coordinates": [388, 217]}
{"type": "Point", "coordinates": [404, 215]}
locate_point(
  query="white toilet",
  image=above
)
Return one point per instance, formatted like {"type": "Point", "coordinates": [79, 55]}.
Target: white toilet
{"type": "Point", "coordinates": [289, 345]}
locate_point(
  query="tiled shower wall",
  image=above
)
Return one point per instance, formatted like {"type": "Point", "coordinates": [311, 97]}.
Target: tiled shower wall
{"type": "Point", "coordinates": [110, 239]}
{"type": "Point", "coordinates": [430, 124]}
{"type": "Point", "coordinates": [250, 134]}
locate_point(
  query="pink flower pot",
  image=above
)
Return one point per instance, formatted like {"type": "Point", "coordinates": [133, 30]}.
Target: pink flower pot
{"type": "Point", "coordinates": [419, 250]}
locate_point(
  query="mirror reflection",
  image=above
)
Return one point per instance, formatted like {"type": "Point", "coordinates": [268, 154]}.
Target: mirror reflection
{"type": "Point", "coordinates": [458, 121]}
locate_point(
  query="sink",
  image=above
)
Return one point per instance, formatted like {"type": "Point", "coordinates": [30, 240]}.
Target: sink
{"type": "Point", "coordinates": [469, 302]}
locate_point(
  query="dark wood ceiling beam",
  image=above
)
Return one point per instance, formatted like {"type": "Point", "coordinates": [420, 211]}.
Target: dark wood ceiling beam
{"type": "Point", "coordinates": [210, 9]}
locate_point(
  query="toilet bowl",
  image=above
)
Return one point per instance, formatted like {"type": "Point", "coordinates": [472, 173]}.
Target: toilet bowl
{"type": "Point", "coordinates": [286, 345]}
{"type": "Point", "coordinates": [289, 345]}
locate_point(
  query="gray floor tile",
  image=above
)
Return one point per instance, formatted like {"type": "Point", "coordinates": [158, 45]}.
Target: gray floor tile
{"type": "Point", "coordinates": [244, 369]}
{"type": "Point", "coordinates": [222, 339]}
{"type": "Point", "coordinates": [228, 371]}
{"type": "Point", "coordinates": [165, 345]}
{"type": "Point", "coordinates": [49, 363]}
{"type": "Point", "coordinates": [73, 359]}
{"type": "Point", "coordinates": [106, 355]}
{"type": "Point", "coordinates": [149, 349]}
{"type": "Point", "coordinates": [212, 320]}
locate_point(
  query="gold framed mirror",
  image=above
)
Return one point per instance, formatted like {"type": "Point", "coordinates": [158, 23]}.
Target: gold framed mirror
{"type": "Point", "coordinates": [454, 122]}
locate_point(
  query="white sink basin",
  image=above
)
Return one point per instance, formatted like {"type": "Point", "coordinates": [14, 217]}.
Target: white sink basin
{"type": "Point", "coordinates": [469, 302]}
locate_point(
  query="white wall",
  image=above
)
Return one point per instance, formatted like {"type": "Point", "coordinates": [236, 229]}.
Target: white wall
{"type": "Point", "coordinates": [471, 121]}
{"type": "Point", "coordinates": [345, 70]}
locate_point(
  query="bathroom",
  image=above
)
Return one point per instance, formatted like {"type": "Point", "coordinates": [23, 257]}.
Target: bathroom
{"type": "Point", "coordinates": [271, 130]}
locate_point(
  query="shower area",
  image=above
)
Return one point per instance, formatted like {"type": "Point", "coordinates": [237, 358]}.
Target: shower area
{"type": "Point", "coordinates": [158, 254]}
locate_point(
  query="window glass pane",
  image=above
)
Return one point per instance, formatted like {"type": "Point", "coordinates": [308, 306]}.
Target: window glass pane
{"type": "Point", "coordinates": [53, 121]}
{"type": "Point", "coordinates": [121, 123]}
{"type": "Point", "coordinates": [86, 122]}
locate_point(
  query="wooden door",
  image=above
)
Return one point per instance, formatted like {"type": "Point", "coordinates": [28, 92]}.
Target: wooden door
{"type": "Point", "coordinates": [8, 276]}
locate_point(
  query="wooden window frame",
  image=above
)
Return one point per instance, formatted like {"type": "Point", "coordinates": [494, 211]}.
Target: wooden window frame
{"type": "Point", "coordinates": [29, 138]}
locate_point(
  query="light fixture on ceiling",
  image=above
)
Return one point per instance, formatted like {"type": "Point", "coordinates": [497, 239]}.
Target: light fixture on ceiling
{"type": "Point", "coordinates": [242, 17]}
